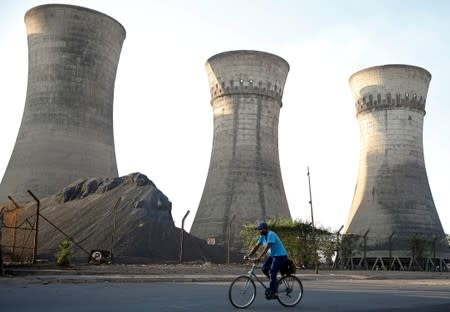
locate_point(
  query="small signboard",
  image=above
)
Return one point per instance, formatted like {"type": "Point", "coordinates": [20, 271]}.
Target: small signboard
{"type": "Point", "coordinates": [211, 240]}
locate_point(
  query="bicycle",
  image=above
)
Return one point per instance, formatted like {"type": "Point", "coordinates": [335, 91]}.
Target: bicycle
{"type": "Point", "coordinates": [242, 291]}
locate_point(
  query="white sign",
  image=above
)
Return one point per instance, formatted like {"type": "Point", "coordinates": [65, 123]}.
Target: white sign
{"type": "Point", "coordinates": [211, 240]}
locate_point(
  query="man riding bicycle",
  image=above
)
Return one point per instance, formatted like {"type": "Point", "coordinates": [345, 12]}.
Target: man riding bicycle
{"type": "Point", "coordinates": [277, 256]}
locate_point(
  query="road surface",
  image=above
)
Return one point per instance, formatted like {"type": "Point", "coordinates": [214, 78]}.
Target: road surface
{"type": "Point", "coordinates": [18, 295]}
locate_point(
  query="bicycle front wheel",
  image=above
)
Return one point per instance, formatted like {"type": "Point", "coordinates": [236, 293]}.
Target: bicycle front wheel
{"type": "Point", "coordinates": [290, 290]}
{"type": "Point", "coordinates": [242, 292]}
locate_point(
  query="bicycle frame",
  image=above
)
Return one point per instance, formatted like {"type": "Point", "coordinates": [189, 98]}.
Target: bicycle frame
{"type": "Point", "coordinates": [243, 287]}
{"type": "Point", "coordinates": [254, 277]}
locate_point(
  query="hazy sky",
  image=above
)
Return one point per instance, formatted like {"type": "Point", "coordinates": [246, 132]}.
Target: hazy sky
{"type": "Point", "coordinates": [163, 122]}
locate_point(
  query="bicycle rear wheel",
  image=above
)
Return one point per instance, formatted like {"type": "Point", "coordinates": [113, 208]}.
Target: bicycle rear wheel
{"type": "Point", "coordinates": [242, 292]}
{"type": "Point", "coordinates": [290, 290]}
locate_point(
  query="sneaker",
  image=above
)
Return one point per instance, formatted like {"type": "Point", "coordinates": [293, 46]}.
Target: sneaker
{"type": "Point", "coordinates": [271, 296]}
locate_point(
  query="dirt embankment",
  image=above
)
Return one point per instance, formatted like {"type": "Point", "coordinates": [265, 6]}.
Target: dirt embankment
{"type": "Point", "coordinates": [128, 215]}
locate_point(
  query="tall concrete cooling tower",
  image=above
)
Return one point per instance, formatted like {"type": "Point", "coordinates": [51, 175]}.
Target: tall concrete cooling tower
{"type": "Point", "coordinates": [67, 124]}
{"type": "Point", "coordinates": [244, 181]}
{"type": "Point", "coordinates": [392, 200]}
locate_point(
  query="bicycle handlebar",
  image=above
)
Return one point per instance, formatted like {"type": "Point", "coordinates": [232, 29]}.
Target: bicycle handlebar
{"type": "Point", "coordinates": [252, 260]}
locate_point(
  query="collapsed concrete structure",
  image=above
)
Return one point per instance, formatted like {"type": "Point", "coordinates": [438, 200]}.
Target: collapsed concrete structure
{"type": "Point", "coordinates": [244, 182]}
{"type": "Point", "coordinates": [67, 125]}
{"type": "Point", "coordinates": [392, 205]}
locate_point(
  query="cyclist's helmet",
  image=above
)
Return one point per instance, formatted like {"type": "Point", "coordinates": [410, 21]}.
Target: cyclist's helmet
{"type": "Point", "coordinates": [262, 225]}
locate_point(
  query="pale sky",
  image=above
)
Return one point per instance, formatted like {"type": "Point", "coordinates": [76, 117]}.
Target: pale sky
{"type": "Point", "coordinates": [163, 122]}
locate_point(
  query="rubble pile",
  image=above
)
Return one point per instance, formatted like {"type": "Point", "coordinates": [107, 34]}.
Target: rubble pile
{"type": "Point", "coordinates": [127, 215]}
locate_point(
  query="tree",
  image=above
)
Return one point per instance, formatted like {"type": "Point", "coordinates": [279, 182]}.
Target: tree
{"type": "Point", "coordinates": [297, 237]}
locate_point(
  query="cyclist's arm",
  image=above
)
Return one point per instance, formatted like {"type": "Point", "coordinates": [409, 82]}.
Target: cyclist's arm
{"type": "Point", "coordinates": [265, 250]}
{"type": "Point", "coordinates": [255, 248]}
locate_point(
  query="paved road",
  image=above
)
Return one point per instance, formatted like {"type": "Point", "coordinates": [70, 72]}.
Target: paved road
{"type": "Point", "coordinates": [342, 295]}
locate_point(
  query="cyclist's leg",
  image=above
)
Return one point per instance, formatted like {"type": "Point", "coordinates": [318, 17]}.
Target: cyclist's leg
{"type": "Point", "coordinates": [274, 269]}
{"type": "Point", "coordinates": [266, 266]}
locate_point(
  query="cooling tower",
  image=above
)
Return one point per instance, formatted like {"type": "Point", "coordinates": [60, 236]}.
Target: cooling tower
{"type": "Point", "coordinates": [392, 199]}
{"type": "Point", "coordinates": [244, 181]}
{"type": "Point", "coordinates": [67, 125]}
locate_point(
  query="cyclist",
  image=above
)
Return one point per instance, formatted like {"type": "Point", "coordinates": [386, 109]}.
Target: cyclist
{"type": "Point", "coordinates": [277, 256]}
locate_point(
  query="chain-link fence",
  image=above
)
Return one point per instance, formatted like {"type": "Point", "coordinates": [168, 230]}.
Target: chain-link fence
{"type": "Point", "coordinates": [18, 234]}
{"type": "Point", "coordinates": [309, 246]}
{"type": "Point", "coordinates": [394, 252]}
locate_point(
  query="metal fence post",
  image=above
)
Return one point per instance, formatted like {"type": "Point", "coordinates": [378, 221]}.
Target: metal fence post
{"type": "Point", "coordinates": [229, 238]}
{"type": "Point", "coordinates": [338, 248]}
{"type": "Point", "coordinates": [37, 226]}
{"type": "Point", "coordinates": [182, 236]}
{"type": "Point", "coordinates": [1, 254]}
{"type": "Point", "coordinates": [114, 228]}
{"type": "Point", "coordinates": [364, 261]}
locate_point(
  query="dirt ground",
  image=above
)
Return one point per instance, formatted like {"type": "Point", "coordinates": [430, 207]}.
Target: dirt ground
{"type": "Point", "coordinates": [209, 269]}
{"type": "Point", "coordinates": [145, 269]}
{"type": "Point", "coordinates": [152, 269]}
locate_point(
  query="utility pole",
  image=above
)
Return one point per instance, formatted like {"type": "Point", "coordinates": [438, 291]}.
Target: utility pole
{"type": "Point", "coordinates": [312, 224]}
{"type": "Point", "coordinates": [310, 199]}
{"type": "Point", "coordinates": [182, 236]}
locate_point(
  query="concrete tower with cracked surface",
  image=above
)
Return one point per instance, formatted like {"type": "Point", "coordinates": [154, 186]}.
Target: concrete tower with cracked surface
{"type": "Point", "coordinates": [67, 125]}
{"type": "Point", "coordinates": [392, 200]}
{"type": "Point", "coordinates": [244, 181]}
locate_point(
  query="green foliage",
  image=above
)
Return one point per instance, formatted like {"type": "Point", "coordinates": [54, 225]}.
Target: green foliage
{"type": "Point", "coordinates": [448, 238]}
{"type": "Point", "coordinates": [300, 240]}
{"type": "Point", "coordinates": [328, 249]}
{"type": "Point", "coordinates": [349, 244]}
{"type": "Point", "coordinates": [65, 253]}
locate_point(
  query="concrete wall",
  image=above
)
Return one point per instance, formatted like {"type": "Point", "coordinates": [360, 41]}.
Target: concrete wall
{"type": "Point", "coordinates": [67, 125]}
{"type": "Point", "coordinates": [392, 192]}
{"type": "Point", "coordinates": [244, 181]}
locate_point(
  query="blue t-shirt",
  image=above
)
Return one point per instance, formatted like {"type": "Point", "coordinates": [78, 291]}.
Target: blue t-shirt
{"type": "Point", "coordinates": [277, 248]}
